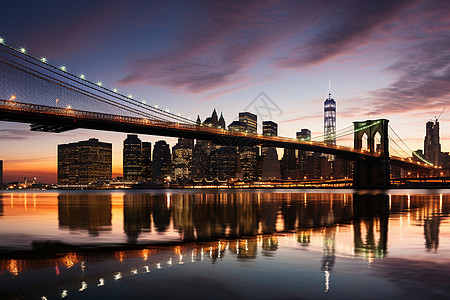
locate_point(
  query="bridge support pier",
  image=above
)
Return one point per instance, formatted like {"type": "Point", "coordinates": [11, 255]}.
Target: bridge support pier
{"type": "Point", "coordinates": [373, 173]}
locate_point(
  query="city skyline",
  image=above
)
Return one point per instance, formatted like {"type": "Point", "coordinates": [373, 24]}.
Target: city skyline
{"type": "Point", "coordinates": [369, 66]}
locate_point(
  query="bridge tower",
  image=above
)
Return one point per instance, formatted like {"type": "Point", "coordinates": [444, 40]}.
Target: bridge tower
{"type": "Point", "coordinates": [372, 172]}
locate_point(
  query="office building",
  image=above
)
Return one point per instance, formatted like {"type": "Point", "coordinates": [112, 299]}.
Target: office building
{"type": "Point", "coordinates": [270, 128]}
{"type": "Point", "coordinates": [84, 163]}
{"type": "Point", "coordinates": [250, 121]}
{"type": "Point", "coordinates": [146, 160]}
{"type": "Point", "coordinates": [432, 145]}
{"type": "Point", "coordinates": [329, 115]}
{"type": "Point", "coordinates": [199, 167]}
{"type": "Point", "coordinates": [162, 161]}
{"type": "Point", "coordinates": [181, 158]}
{"type": "Point", "coordinates": [270, 166]}
{"type": "Point", "coordinates": [304, 135]}
{"type": "Point", "coordinates": [132, 158]}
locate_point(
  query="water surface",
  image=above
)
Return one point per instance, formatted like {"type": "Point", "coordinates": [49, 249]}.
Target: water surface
{"type": "Point", "coordinates": [268, 244]}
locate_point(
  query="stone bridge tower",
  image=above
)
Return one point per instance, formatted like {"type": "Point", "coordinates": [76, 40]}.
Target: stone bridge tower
{"type": "Point", "coordinates": [372, 172]}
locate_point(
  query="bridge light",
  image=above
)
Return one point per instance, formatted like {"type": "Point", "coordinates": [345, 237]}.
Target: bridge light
{"type": "Point", "coordinates": [13, 97]}
{"type": "Point", "coordinates": [44, 60]}
{"type": "Point", "coordinates": [82, 76]}
{"type": "Point", "coordinates": [2, 40]}
{"type": "Point", "coordinates": [69, 107]}
{"type": "Point", "coordinates": [99, 83]}
{"type": "Point", "coordinates": [179, 115]}
{"type": "Point", "coordinates": [63, 68]}
{"type": "Point", "coordinates": [23, 50]}
{"type": "Point", "coordinates": [156, 105]}
{"type": "Point", "coordinates": [130, 96]}
{"type": "Point", "coordinates": [167, 110]}
{"type": "Point", "coordinates": [143, 101]}
{"type": "Point", "coordinates": [115, 90]}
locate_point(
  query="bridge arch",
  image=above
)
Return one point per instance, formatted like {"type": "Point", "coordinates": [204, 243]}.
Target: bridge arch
{"type": "Point", "coordinates": [372, 173]}
{"type": "Point", "coordinates": [371, 128]}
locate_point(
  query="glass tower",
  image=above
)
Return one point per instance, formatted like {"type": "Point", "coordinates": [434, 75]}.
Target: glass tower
{"type": "Point", "coordinates": [329, 117]}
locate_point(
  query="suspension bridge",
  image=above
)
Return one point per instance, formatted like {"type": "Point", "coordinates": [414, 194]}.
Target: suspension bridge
{"type": "Point", "coordinates": [52, 99]}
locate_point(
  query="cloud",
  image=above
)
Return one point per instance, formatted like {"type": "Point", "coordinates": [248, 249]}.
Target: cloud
{"type": "Point", "coordinates": [12, 134]}
{"type": "Point", "coordinates": [220, 44]}
{"type": "Point", "coordinates": [423, 81]}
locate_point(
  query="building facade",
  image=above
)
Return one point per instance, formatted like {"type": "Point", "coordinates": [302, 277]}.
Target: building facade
{"type": "Point", "coordinates": [84, 163]}
{"type": "Point", "coordinates": [329, 118]}
{"type": "Point", "coordinates": [432, 145]}
{"type": "Point", "coordinates": [162, 161]}
{"type": "Point", "coordinates": [132, 158]}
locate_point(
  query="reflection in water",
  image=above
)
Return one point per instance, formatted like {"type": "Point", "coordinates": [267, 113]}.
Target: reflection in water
{"type": "Point", "coordinates": [1, 205]}
{"type": "Point", "coordinates": [85, 212]}
{"type": "Point", "coordinates": [246, 227]}
{"type": "Point", "coordinates": [372, 212]}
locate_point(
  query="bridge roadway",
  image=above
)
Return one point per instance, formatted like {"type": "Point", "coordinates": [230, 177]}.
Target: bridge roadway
{"type": "Point", "coordinates": [58, 119]}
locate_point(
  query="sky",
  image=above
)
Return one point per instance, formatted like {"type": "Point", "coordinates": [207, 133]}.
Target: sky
{"type": "Point", "coordinates": [386, 59]}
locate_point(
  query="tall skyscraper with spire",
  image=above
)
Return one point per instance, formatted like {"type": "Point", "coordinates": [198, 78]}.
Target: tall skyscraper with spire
{"type": "Point", "coordinates": [329, 117]}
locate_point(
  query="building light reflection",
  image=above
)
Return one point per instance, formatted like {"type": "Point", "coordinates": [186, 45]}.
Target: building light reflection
{"type": "Point", "coordinates": [83, 286]}
{"type": "Point", "coordinates": [101, 282]}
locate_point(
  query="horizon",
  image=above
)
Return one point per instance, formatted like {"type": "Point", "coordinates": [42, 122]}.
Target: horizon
{"type": "Point", "coordinates": [386, 59]}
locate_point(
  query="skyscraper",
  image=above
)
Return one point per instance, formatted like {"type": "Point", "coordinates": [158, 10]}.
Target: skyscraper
{"type": "Point", "coordinates": [432, 144]}
{"type": "Point", "coordinates": [132, 158]}
{"type": "Point", "coordinates": [84, 163]}
{"type": "Point", "coordinates": [146, 160]}
{"type": "Point", "coordinates": [329, 115]}
{"type": "Point", "coordinates": [270, 128]}
{"type": "Point", "coordinates": [270, 168]}
{"type": "Point", "coordinates": [250, 120]}
{"type": "Point", "coordinates": [162, 161]}
{"type": "Point", "coordinates": [181, 157]}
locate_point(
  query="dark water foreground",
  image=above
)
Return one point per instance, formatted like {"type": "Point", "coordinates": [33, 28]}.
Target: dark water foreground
{"type": "Point", "coordinates": [269, 244]}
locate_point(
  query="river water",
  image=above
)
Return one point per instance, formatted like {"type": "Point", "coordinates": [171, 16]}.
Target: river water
{"type": "Point", "coordinates": [244, 244]}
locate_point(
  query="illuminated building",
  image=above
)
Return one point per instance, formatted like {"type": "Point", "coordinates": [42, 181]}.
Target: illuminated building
{"type": "Point", "coordinates": [250, 120]}
{"type": "Point", "coordinates": [237, 126]}
{"type": "Point", "coordinates": [199, 167]}
{"type": "Point", "coordinates": [329, 115]}
{"type": "Point", "coordinates": [270, 167]}
{"type": "Point", "coordinates": [223, 163]}
{"type": "Point", "coordinates": [181, 157]}
{"type": "Point", "coordinates": [146, 160]}
{"type": "Point", "coordinates": [432, 144]}
{"type": "Point", "coordinates": [132, 158]}
{"type": "Point", "coordinates": [304, 135]}
{"type": "Point", "coordinates": [162, 161]}
{"type": "Point", "coordinates": [270, 128]}
{"type": "Point", "coordinates": [84, 163]}
{"type": "Point", "coordinates": [249, 155]}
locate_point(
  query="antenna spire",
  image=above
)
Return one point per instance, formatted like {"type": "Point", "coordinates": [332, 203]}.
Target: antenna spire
{"type": "Point", "coordinates": [329, 86]}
